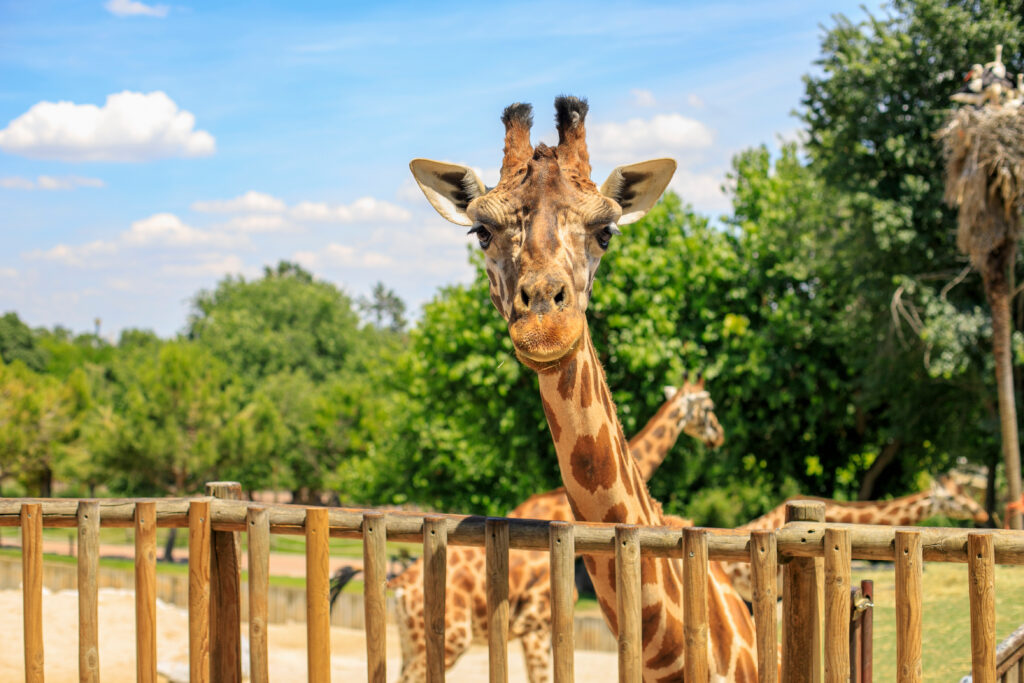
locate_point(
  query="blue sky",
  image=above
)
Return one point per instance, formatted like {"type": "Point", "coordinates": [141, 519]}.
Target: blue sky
{"type": "Point", "coordinates": [146, 150]}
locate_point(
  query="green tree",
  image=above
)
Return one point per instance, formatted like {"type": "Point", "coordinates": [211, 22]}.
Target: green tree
{"type": "Point", "coordinates": [282, 322]}
{"type": "Point", "coordinates": [871, 115]}
{"type": "Point", "coordinates": [384, 308]}
{"type": "Point", "coordinates": [18, 343]}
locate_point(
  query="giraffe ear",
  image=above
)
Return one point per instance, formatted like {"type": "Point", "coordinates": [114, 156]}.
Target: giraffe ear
{"type": "Point", "coordinates": [449, 187]}
{"type": "Point", "coordinates": [670, 391]}
{"type": "Point", "coordinates": [638, 186]}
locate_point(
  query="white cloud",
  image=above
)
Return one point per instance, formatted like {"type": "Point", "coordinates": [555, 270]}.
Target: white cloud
{"type": "Point", "coordinates": [167, 230]}
{"type": "Point", "coordinates": [695, 101]}
{"type": "Point", "coordinates": [131, 8]}
{"type": "Point", "coordinates": [637, 139]}
{"type": "Point", "coordinates": [130, 126]}
{"type": "Point", "coordinates": [336, 255]}
{"type": "Point", "coordinates": [159, 230]}
{"type": "Point", "coordinates": [76, 255]}
{"type": "Point", "coordinates": [49, 182]}
{"type": "Point", "coordinates": [8, 272]}
{"type": "Point", "coordinates": [364, 209]}
{"type": "Point", "coordinates": [16, 183]}
{"type": "Point", "coordinates": [258, 223]}
{"type": "Point", "coordinates": [703, 190]}
{"type": "Point", "coordinates": [642, 98]}
{"type": "Point", "coordinates": [216, 266]}
{"type": "Point", "coordinates": [250, 202]}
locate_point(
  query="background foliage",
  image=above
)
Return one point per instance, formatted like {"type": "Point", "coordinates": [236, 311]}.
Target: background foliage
{"type": "Point", "coordinates": [843, 341]}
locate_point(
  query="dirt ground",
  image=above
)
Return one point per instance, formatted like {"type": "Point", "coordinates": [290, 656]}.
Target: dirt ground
{"type": "Point", "coordinates": [287, 646]}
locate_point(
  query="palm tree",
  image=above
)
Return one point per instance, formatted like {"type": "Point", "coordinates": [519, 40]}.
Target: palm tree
{"type": "Point", "coordinates": [984, 151]}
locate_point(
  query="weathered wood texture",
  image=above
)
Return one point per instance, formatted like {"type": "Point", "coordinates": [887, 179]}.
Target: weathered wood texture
{"type": "Point", "coordinates": [225, 587]}
{"type": "Point", "coordinates": [318, 595]}
{"type": "Point", "coordinates": [374, 594]}
{"type": "Point", "coordinates": [695, 604]}
{"type": "Point", "coordinates": [837, 605]}
{"type": "Point", "coordinates": [563, 554]}
{"type": "Point", "coordinates": [88, 592]}
{"type": "Point", "coordinates": [797, 539]}
{"type": "Point", "coordinates": [32, 589]}
{"type": "Point", "coordinates": [981, 576]}
{"type": "Point", "coordinates": [909, 600]}
{"type": "Point", "coordinates": [258, 541]}
{"type": "Point", "coordinates": [435, 562]}
{"type": "Point", "coordinates": [199, 540]}
{"type": "Point", "coordinates": [764, 579]}
{"type": "Point", "coordinates": [627, 600]}
{"type": "Point", "coordinates": [496, 552]}
{"type": "Point", "coordinates": [801, 655]}
{"type": "Point", "coordinates": [145, 592]}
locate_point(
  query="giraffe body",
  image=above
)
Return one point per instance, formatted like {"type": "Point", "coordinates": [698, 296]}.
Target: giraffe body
{"type": "Point", "coordinates": [945, 497]}
{"type": "Point", "coordinates": [688, 409]}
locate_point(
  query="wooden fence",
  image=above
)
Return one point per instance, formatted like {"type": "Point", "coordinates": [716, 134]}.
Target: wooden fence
{"type": "Point", "coordinates": [805, 547]}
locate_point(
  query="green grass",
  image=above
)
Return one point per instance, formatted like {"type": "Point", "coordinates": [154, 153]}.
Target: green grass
{"type": "Point", "coordinates": [946, 654]}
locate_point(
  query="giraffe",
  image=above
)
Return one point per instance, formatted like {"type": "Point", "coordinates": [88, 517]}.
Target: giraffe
{"type": "Point", "coordinates": [686, 409]}
{"type": "Point", "coordinates": [543, 230]}
{"type": "Point", "coordinates": [944, 497]}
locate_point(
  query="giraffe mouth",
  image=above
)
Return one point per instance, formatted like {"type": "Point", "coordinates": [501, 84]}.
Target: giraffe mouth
{"type": "Point", "coordinates": [546, 338]}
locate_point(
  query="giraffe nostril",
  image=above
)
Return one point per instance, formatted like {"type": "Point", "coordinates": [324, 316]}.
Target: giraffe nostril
{"type": "Point", "coordinates": [560, 297]}
{"type": "Point", "coordinates": [525, 297]}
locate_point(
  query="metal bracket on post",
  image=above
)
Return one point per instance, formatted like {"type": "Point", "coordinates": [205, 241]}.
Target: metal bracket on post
{"type": "Point", "coordinates": [225, 595]}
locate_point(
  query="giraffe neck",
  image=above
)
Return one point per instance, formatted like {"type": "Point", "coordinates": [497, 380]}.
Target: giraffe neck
{"type": "Point", "coordinates": [651, 445]}
{"type": "Point", "coordinates": [602, 480]}
{"type": "Point", "coordinates": [604, 484]}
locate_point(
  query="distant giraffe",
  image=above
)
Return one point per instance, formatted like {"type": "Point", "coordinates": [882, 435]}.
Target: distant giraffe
{"type": "Point", "coordinates": [944, 497]}
{"type": "Point", "coordinates": [688, 409]}
{"type": "Point", "coordinates": [543, 230]}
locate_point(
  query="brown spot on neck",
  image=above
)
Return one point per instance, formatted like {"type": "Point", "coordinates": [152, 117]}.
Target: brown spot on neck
{"type": "Point", "coordinates": [592, 461]}
{"type": "Point", "coordinates": [556, 429]}
{"type": "Point", "coordinates": [567, 379]}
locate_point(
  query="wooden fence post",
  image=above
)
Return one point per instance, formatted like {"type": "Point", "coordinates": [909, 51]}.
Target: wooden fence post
{"type": "Point", "coordinates": [199, 546]}
{"type": "Point", "coordinates": [88, 592]}
{"type": "Point", "coordinates": [562, 546]}
{"type": "Point", "coordinates": [32, 589]}
{"type": "Point", "coordinates": [225, 598]}
{"type": "Point", "coordinates": [435, 567]}
{"type": "Point", "coordinates": [981, 575]}
{"type": "Point", "coordinates": [764, 576]}
{"type": "Point", "coordinates": [145, 592]}
{"type": "Point", "coordinates": [801, 613]}
{"type": "Point", "coordinates": [375, 530]}
{"type": "Point", "coordinates": [258, 540]}
{"type": "Point", "coordinates": [496, 551]}
{"type": "Point", "coordinates": [627, 597]}
{"type": "Point", "coordinates": [837, 605]}
{"type": "Point", "coordinates": [908, 606]}
{"type": "Point", "coordinates": [318, 595]}
{"type": "Point", "coordinates": [695, 604]}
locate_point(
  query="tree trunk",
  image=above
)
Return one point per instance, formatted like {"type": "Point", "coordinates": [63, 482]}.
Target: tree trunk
{"type": "Point", "coordinates": [169, 545]}
{"type": "Point", "coordinates": [867, 482]}
{"type": "Point", "coordinates": [990, 490]}
{"type": "Point", "coordinates": [998, 293]}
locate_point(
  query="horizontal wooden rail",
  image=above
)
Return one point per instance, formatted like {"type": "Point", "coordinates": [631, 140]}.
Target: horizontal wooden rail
{"type": "Point", "coordinates": [796, 539]}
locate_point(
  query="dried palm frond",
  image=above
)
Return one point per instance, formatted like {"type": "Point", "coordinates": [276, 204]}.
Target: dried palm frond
{"type": "Point", "coordinates": [984, 151]}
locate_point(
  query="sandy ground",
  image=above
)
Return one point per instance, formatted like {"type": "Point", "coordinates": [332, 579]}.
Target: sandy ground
{"type": "Point", "coordinates": [287, 646]}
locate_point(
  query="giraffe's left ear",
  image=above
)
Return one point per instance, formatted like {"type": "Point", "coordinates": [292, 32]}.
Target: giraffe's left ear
{"type": "Point", "coordinates": [449, 187]}
{"type": "Point", "coordinates": [638, 186]}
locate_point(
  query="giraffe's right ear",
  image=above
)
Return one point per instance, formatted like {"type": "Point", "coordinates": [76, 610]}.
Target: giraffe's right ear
{"type": "Point", "coordinates": [449, 187]}
{"type": "Point", "coordinates": [637, 187]}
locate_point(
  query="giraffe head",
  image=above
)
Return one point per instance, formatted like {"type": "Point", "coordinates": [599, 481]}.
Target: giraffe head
{"type": "Point", "coordinates": [545, 226]}
{"type": "Point", "coordinates": [697, 411]}
{"type": "Point", "coordinates": [950, 499]}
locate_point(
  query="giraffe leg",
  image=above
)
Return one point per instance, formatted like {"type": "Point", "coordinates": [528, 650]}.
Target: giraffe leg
{"type": "Point", "coordinates": [537, 653]}
{"type": "Point", "coordinates": [412, 635]}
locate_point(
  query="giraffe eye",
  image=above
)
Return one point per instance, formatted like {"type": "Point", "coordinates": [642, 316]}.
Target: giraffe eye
{"type": "Point", "coordinates": [482, 234]}
{"type": "Point", "coordinates": [604, 235]}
